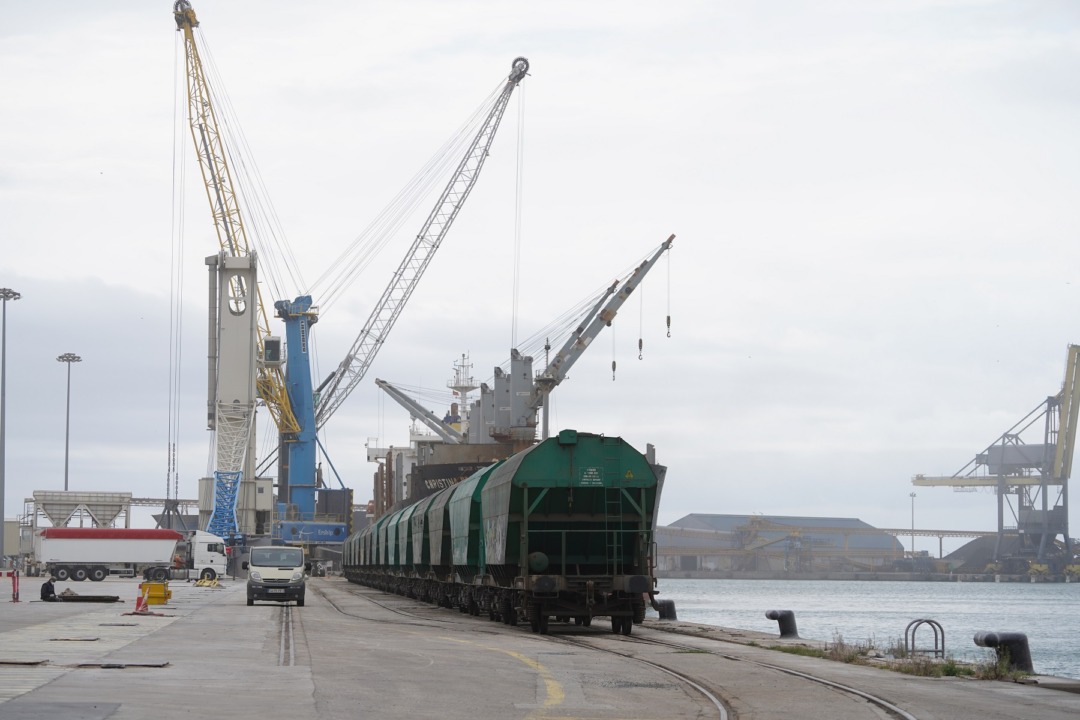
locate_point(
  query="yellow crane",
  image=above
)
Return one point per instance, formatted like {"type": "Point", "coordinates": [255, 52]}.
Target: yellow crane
{"type": "Point", "coordinates": [244, 357]}
{"type": "Point", "coordinates": [232, 236]}
{"type": "Point", "coordinates": [1027, 471]}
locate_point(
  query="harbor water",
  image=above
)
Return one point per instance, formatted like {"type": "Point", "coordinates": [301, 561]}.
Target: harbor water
{"type": "Point", "coordinates": [877, 612]}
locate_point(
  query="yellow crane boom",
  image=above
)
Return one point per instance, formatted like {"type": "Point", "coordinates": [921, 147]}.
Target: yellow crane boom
{"type": "Point", "coordinates": [225, 208]}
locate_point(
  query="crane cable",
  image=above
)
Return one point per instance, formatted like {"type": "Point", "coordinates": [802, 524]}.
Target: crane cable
{"type": "Point", "coordinates": [377, 235]}
{"type": "Point", "coordinates": [277, 263]}
{"type": "Point", "coordinates": [568, 321]}
{"type": "Point", "coordinates": [519, 192]}
{"type": "Point", "coordinates": [641, 322]}
{"type": "Point", "coordinates": [669, 293]}
{"type": "Point", "coordinates": [175, 299]}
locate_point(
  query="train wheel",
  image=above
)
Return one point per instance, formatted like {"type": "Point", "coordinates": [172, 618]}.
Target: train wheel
{"type": "Point", "coordinates": [586, 621]}
{"type": "Point", "coordinates": [638, 604]}
{"type": "Point", "coordinates": [616, 624]}
{"type": "Point", "coordinates": [627, 625]}
{"type": "Point", "coordinates": [508, 612]}
{"type": "Point", "coordinates": [512, 612]}
{"type": "Point", "coordinates": [534, 617]}
{"type": "Point", "coordinates": [579, 620]}
{"type": "Point", "coordinates": [543, 623]}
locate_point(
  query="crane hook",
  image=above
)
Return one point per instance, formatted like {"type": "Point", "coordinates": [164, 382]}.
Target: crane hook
{"type": "Point", "coordinates": [640, 343]}
{"type": "Point", "coordinates": [669, 326]}
{"type": "Point", "coordinates": [613, 371]}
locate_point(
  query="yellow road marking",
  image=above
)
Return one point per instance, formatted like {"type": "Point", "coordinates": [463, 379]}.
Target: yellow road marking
{"type": "Point", "coordinates": [553, 689]}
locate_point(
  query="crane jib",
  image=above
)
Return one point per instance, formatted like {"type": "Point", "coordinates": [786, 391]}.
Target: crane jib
{"type": "Point", "coordinates": [418, 257]}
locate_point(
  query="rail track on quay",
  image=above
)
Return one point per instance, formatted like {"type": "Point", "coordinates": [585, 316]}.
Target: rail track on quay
{"type": "Point", "coordinates": [710, 669]}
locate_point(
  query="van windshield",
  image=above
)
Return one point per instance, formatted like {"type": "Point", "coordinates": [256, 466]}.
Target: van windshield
{"type": "Point", "coordinates": [277, 557]}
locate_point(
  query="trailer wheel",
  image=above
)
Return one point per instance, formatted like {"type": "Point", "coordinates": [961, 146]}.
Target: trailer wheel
{"type": "Point", "coordinates": [62, 573]}
{"type": "Point", "coordinates": [98, 573]}
{"type": "Point", "coordinates": [78, 574]}
{"type": "Point", "coordinates": [207, 574]}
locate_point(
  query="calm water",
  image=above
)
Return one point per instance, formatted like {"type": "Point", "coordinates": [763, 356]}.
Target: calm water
{"type": "Point", "coordinates": [879, 611]}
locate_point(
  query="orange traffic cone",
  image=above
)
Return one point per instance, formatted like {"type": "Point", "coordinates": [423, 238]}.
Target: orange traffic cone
{"type": "Point", "coordinates": [140, 602]}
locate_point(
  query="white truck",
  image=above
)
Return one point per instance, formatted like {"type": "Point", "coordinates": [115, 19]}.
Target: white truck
{"type": "Point", "coordinates": [156, 554]}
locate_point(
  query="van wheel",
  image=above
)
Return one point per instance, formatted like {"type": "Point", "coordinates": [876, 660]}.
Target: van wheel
{"type": "Point", "coordinates": [207, 574]}
{"type": "Point", "coordinates": [251, 601]}
{"type": "Point", "coordinates": [300, 601]}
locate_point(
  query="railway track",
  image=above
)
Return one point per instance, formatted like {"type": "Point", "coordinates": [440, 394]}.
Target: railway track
{"type": "Point", "coordinates": [286, 637]}
{"type": "Point", "coordinates": [719, 699]}
{"type": "Point", "coordinates": [598, 642]}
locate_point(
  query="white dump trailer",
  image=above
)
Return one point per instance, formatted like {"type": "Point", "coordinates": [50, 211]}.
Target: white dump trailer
{"type": "Point", "coordinates": [97, 553]}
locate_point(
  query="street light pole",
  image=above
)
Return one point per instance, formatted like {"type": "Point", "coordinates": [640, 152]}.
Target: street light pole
{"type": "Point", "coordinates": [5, 295]}
{"type": "Point", "coordinates": [912, 525]}
{"type": "Point", "coordinates": [68, 358]}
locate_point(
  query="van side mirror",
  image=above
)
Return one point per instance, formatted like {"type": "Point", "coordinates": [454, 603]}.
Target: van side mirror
{"type": "Point", "coordinates": [244, 565]}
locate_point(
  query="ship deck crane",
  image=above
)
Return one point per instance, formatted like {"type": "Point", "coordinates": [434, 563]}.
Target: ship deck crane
{"type": "Point", "coordinates": [418, 411]}
{"type": "Point", "coordinates": [601, 315]}
{"type": "Point", "coordinates": [551, 376]}
{"type": "Point", "coordinates": [298, 480]}
{"type": "Point", "coordinates": [243, 351]}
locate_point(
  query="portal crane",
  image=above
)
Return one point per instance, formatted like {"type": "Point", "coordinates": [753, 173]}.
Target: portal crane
{"type": "Point", "coordinates": [298, 481]}
{"type": "Point", "coordinates": [1028, 470]}
{"type": "Point", "coordinates": [244, 357]}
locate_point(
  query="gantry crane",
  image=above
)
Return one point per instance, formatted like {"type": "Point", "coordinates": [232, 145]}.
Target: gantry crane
{"type": "Point", "coordinates": [508, 412]}
{"type": "Point", "coordinates": [244, 356]}
{"type": "Point", "coordinates": [298, 481]}
{"type": "Point", "coordinates": [1028, 470]}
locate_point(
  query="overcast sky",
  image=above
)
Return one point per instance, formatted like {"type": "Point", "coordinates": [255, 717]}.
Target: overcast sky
{"type": "Point", "coordinates": [875, 207]}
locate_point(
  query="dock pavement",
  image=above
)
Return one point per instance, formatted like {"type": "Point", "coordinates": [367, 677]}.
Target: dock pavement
{"type": "Point", "coordinates": [354, 652]}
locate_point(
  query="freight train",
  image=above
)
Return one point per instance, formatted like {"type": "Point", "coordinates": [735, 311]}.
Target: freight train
{"type": "Point", "coordinates": [563, 529]}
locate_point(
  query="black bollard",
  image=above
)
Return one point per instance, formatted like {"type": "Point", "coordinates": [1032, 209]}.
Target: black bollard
{"type": "Point", "coordinates": [1012, 646]}
{"type": "Point", "coordinates": [786, 618]}
{"type": "Point", "coordinates": [666, 608]}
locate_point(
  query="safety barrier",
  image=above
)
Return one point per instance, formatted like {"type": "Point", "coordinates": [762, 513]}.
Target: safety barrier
{"type": "Point", "coordinates": [939, 638]}
{"type": "Point", "coordinates": [14, 575]}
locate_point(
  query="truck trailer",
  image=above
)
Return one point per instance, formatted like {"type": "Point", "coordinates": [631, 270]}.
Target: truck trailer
{"type": "Point", "coordinates": [156, 554]}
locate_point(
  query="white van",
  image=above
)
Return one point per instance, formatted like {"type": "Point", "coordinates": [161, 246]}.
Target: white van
{"type": "Point", "coordinates": [276, 572]}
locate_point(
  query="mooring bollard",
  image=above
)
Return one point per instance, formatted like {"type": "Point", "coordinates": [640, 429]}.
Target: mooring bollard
{"type": "Point", "coordinates": [786, 619]}
{"type": "Point", "coordinates": [666, 608]}
{"type": "Point", "coordinates": [1011, 646]}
